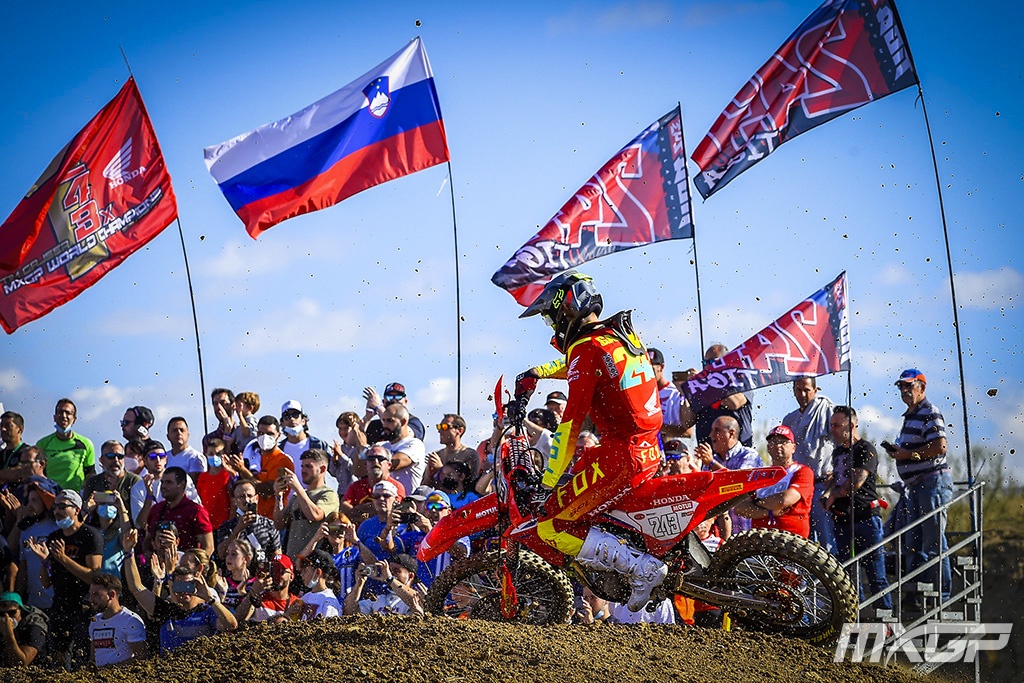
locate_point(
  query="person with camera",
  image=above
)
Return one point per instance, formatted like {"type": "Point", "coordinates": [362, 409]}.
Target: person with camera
{"type": "Point", "coordinates": [114, 477]}
{"type": "Point", "coordinates": [246, 523]}
{"type": "Point", "coordinates": [268, 597]}
{"type": "Point", "coordinates": [402, 594]}
{"type": "Point", "coordinates": [320, 579]}
{"type": "Point", "coordinates": [71, 556]}
{"type": "Point", "coordinates": [418, 522]}
{"type": "Point", "coordinates": [379, 534]}
{"type": "Point", "coordinates": [191, 519]}
{"type": "Point", "coordinates": [311, 500]}
{"type": "Point", "coordinates": [193, 609]}
{"type": "Point", "coordinates": [337, 537]}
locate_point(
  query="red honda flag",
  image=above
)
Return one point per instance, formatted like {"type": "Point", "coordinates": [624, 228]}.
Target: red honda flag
{"type": "Point", "coordinates": [105, 195]}
{"type": "Point", "coordinates": [809, 340]}
{"type": "Point", "coordinates": [846, 54]}
{"type": "Point", "coordinates": [641, 195]}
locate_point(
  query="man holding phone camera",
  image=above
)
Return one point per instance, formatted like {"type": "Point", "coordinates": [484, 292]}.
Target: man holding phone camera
{"type": "Point", "coordinates": [247, 523]}
{"type": "Point", "coordinates": [309, 505]}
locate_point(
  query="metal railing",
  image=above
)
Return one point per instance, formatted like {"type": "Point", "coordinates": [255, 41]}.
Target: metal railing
{"type": "Point", "coordinates": [964, 554]}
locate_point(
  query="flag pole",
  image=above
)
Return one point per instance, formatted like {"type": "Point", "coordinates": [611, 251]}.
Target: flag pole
{"type": "Point", "coordinates": [191, 291]}
{"type": "Point", "coordinates": [458, 300]}
{"type": "Point", "coordinates": [693, 228]}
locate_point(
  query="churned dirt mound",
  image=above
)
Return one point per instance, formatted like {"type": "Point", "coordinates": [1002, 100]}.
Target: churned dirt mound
{"type": "Point", "coordinates": [436, 650]}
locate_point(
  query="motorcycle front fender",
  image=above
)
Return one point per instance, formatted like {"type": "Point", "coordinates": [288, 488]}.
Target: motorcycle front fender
{"type": "Point", "coordinates": [480, 515]}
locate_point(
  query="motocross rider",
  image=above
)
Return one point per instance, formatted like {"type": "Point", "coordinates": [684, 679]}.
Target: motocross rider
{"type": "Point", "coordinates": [611, 378]}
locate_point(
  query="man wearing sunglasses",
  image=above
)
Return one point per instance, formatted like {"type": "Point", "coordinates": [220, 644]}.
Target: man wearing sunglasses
{"type": "Point", "coordinates": [393, 393]}
{"type": "Point", "coordinates": [114, 477]}
{"type": "Point", "coordinates": [436, 506]}
{"type": "Point", "coordinates": [450, 430]}
{"type": "Point", "coordinates": [23, 632]}
{"type": "Point", "coordinates": [357, 503]}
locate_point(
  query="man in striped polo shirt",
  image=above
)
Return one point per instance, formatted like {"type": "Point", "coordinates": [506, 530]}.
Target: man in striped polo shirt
{"type": "Point", "coordinates": [921, 463]}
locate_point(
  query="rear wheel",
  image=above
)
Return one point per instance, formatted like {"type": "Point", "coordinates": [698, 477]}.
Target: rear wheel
{"type": "Point", "coordinates": [810, 593]}
{"type": "Point", "coordinates": [471, 588]}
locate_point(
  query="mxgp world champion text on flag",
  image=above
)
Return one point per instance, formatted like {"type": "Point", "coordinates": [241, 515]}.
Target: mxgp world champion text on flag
{"type": "Point", "coordinates": [104, 196]}
{"type": "Point", "coordinates": [846, 54]}
{"type": "Point", "coordinates": [809, 340]}
{"type": "Point", "coordinates": [641, 195]}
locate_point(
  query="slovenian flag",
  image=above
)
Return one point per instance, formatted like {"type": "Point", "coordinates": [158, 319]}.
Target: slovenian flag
{"type": "Point", "coordinates": [382, 126]}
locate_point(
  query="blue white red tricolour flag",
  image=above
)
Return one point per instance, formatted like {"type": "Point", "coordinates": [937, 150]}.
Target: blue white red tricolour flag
{"type": "Point", "coordinates": [641, 195]}
{"type": "Point", "coordinates": [384, 125]}
{"type": "Point", "coordinates": [846, 54]}
{"type": "Point", "coordinates": [809, 340]}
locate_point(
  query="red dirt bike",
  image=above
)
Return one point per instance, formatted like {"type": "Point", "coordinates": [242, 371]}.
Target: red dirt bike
{"type": "Point", "coordinates": [766, 580]}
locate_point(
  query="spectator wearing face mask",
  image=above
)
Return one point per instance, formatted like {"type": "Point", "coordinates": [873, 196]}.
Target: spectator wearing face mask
{"type": "Point", "coordinates": [320, 579]}
{"type": "Point", "coordinates": [71, 556]}
{"type": "Point", "coordinates": [213, 484]}
{"type": "Point", "coordinates": [266, 462]}
{"type": "Point", "coordinates": [297, 440]}
{"type": "Point", "coordinates": [455, 481]}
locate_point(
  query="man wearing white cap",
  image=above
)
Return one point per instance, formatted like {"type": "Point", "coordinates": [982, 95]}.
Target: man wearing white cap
{"type": "Point", "coordinates": [555, 402]}
{"type": "Point", "coordinates": [378, 532]}
{"type": "Point", "coordinates": [297, 440]}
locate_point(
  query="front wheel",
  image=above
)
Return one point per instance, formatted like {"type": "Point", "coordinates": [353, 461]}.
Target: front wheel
{"type": "Point", "coordinates": [811, 594]}
{"type": "Point", "coordinates": [471, 588]}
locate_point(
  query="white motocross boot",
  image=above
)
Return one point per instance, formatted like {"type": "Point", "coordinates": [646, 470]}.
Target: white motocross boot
{"type": "Point", "coordinates": [604, 551]}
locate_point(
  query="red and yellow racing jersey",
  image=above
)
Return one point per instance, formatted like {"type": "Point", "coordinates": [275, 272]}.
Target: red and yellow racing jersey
{"type": "Point", "coordinates": [616, 388]}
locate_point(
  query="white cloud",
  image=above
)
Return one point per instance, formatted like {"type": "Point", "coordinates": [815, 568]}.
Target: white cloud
{"type": "Point", "coordinates": [989, 290]}
{"type": "Point", "coordinates": [133, 322]}
{"type": "Point", "coordinates": [879, 423]}
{"type": "Point", "coordinates": [624, 16]}
{"type": "Point", "coordinates": [884, 364]}
{"type": "Point", "coordinates": [703, 14]}
{"type": "Point", "coordinates": [305, 326]}
{"type": "Point", "coordinates": [11, 381]}
{"type": "Point", "coordinates": [238, 259]}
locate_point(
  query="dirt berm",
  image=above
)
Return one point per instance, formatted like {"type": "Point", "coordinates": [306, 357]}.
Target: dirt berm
{"type": "Point", "coordinates": [435, 650]}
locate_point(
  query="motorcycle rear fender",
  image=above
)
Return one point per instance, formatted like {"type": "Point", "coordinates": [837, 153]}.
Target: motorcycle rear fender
{"type": "Point", "coordinates": [665, 509]}
{"type": "Point", "coordinates": [480, 515]}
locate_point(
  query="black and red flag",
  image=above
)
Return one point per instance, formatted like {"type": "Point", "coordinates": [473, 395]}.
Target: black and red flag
{"type": "Point", "coordinates": [642, 195]}
{"type": "Point", "coordinates": [809, 340]}
{"type": "Point", "coordinates": [846, 54]}
{"type": "Point", "coordinates": [105, 195]}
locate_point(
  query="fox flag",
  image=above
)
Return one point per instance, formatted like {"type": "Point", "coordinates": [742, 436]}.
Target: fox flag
{"type": "Point", "coordinates": [384, 125]}
{"type": "Point", "coordinates": [809, 340]}
{"type": "Point", "coordinates": [105, 195]}
{"type": "Point", "coordinates": [846, 54]}
{"type": "Point", "coordinates": [642, 195]}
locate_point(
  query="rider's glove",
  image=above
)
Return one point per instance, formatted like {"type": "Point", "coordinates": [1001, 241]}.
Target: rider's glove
{"type": "Point", "coordinates": [539, 498]}
{"type": "Point", "coordinates": [526, 384]}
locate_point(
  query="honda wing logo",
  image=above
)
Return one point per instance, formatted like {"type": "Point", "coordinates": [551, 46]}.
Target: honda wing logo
{"type": "Point", "coordinates": [117, 171]}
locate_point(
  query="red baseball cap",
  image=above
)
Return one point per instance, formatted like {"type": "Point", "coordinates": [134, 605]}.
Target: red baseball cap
{"type": "Point", "coordinates": [783, 431]}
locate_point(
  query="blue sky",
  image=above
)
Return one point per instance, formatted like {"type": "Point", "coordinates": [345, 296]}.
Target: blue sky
{"type": "Point", "coordinates": [535, 98]}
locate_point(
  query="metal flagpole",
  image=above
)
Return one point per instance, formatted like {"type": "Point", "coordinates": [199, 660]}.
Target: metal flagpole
{"type": "Point", "coordinates": [458, 301]}
{"type": "Point", "coordinates": [191, 292]}
{"type": "Point", "coordinates": [693, 228]}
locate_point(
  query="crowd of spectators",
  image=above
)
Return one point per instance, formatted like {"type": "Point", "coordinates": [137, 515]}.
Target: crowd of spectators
{"type": "Point", "coordinates": [146, 545]}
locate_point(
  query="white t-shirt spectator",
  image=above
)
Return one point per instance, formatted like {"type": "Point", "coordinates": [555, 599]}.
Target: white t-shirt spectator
{"type": "Point", "coordinates": [190, 460]}
{"type": "Point", "coordinates": [323, 604]}
{"type": "Point", "coordinates": [112, 638]}
{"type": "Point", "coordinates": [411, 476]}
{"type": "Point", "coordinates": [388, 603]}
